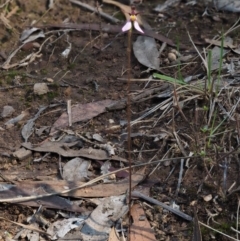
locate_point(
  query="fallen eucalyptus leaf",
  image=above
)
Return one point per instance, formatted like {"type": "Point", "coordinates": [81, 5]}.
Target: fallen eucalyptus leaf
{"type": "Point", "coordinates": [146, 52]}
{"type": "Point", "coordinates": [227, 5]}
{"type": "Point", "coordinates": [216, 56]}
{"type": "Point", "coordinates": [29, 35]}
{"type": "Point", "coordinates": [141, 228]}
{"type": "Point", "coordinates": [63, 149]}
{"type": "Point", "coordinates": [82, 112]}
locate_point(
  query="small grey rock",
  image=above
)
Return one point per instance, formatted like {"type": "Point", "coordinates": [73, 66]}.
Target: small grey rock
{"type": "Point", "coordinates": [7, 111]}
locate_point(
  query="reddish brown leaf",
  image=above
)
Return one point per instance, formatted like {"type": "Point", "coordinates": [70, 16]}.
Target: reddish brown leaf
{"type": "Point", "coordinates": [140, 229]}
{"type": "Point", "coordinates": [82, 112]}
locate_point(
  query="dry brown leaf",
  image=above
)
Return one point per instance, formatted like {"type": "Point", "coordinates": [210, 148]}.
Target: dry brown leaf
{"type": "Point", "coordinates": [109, 189]}
{"type": "Point", "coordinates": [125, 9]}
{"type": "Point", "coordinates": [140, 229]}
{"type": "Point", "coordinates": [113, 235]}
{"type": "Point", "coordinates": [30, 188]}
{"type": "Point", "coordinates": [82, 112]}
{"type": "Point", "coordinates": [63, 149]}
{"type": "Point", "coordinates": [33, 188]}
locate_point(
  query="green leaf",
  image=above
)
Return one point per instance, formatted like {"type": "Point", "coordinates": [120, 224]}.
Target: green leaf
{"type": "Point", "coordinates": [169, 79]}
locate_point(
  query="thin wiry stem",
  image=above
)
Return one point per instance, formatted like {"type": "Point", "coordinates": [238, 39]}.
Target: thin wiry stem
{"type": "Point", "coordinates": [237, 217]}
{"type": "Point", "coordinates": [129, 126]}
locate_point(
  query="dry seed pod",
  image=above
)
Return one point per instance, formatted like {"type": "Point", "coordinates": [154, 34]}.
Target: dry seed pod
{"type": "Point", "coordinates": [172, 57]}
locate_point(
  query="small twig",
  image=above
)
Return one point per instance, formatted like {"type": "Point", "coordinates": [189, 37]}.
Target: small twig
{"type": "Point", "coordinates": [154, 201]}
{"type": "Point", "coordinates": [197, 236]}
{"type": "Point", "coordinates": [106, 46]}
{"type": "Point", "coordinates": [160, 150]}
{"type": "Point", "coordinates": [69, 112]}
{"type": "Point", "coordinates": [205, 179]}
{"type": "Point", "coordinates": [4, 4]}
{"type": "Point", "coordinates": [50, 56]}
{"type": "Point", "coordinates": [179, 143]}
{"type": "Point", "coordinates": [211, 216]}
{"type": "Point", "coordinates": [237, 221]}
{"type": "Point", "coordinates": [129, 143]}
{"type": "Point", "coordinates": [235, 230]}
{"type": "Point", "coordinates": [225, 167]}
{"type": "Point", "coordinates": [100, 24]}
{"type": "Point", "coordinates": [170, 173]}
{"type": "Point", "coordinates": [88, 7]}
{"type": "Point", "coordinates": [19, 86]}
{"type": "Point", "coordinates": [6, 179]}
{"type": "Point", "coordinates": [64, 75]}
{"type": "Point", "coordinates": [217, 231]}
{"type": "Point", "coordinates": [25, 226]}
{"type": "Point", "coordinates": [180, 177]}
{"type": "Point", "coordinates": [60, 166]}
{"type": "Point", "coordinates": [203, 60]}
{"type": "Point", "coordinates": [90, 42]}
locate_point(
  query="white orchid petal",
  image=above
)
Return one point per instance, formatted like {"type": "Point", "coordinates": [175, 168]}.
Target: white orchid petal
{"type": "Point", "coordinates": [127, 26]}
{"type": "Point", "coordinates": [137, 27]}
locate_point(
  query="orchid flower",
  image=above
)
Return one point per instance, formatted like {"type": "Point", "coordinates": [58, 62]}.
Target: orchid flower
{"type": "Point", "coordinates": [133, 20]}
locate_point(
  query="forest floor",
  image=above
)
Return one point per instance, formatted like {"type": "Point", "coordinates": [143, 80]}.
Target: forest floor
{"type": "Point", "coordinates": [185, 116]}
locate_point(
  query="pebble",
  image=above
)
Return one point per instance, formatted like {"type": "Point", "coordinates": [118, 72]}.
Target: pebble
{"type": "Point", "coordinates": [7, 111]}
{"type": "Point", "coordinates": [172, 57]}
{"type": "Point", "coordinates": [22, 154]}
{"type": "Point", "coordinates": [40, 88]}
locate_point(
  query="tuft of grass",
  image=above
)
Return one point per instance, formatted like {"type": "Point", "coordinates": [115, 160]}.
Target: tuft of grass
{"type": "Point", "coordinates": [168, 79]}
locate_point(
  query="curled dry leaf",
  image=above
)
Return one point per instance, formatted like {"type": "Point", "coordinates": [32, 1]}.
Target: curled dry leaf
{"type": "Point", "coordinates": [29, 35]}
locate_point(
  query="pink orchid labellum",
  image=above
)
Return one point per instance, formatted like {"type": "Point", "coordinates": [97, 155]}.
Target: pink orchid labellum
{"type": "Point", "coordinates": [133, 20]}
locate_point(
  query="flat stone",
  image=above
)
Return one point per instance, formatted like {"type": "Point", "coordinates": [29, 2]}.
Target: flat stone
{"type": "Point", "coordinates": [22, 154]}
{"type": "Point", "coordinates": [40, 88]}
{"type": "Point", "coordinates": [7, 111]}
